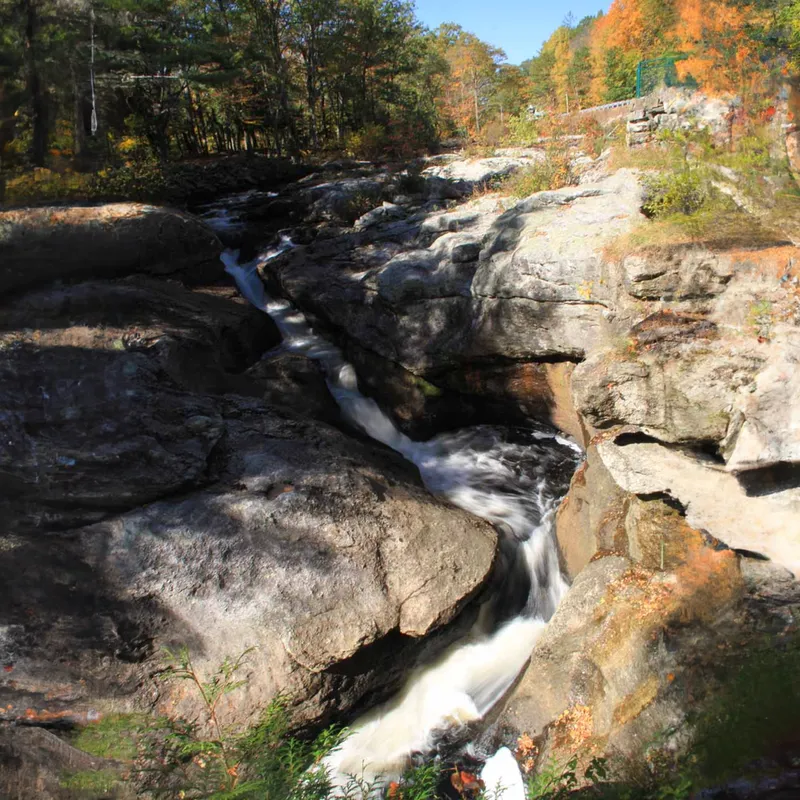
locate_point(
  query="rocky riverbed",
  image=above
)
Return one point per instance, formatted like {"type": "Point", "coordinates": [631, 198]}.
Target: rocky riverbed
{"type": "Point", "coordinates": [172, 476]}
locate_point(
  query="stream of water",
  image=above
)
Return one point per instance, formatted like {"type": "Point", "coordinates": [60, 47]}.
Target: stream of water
{"type": "Point", "coordinates": [512, 478]}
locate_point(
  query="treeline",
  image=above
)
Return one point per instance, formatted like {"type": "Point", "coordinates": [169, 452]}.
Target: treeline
{"type": "Point", "coordinates": [735, 46]}
{"type": "Point", "coordinates": [108, 82]}
{"type": "Point", "coordinates": [187, 78]}
{"type": "Point", "coordinates": [99, 81]}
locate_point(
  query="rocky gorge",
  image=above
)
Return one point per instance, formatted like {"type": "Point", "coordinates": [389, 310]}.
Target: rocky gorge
{"type": "Point", "coordinates": [172, 475]}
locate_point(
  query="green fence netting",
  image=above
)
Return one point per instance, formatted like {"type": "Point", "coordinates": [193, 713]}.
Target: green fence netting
{"type": "Point", "coordinates": [653, 73]}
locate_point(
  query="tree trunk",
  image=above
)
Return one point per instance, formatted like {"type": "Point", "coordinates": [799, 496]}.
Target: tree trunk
{"type": "Point", "coordinates": [78, 118]}
{"type": "Point", "coordinates": [36, 90]}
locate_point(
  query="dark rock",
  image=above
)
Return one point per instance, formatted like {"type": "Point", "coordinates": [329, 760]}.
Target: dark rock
{"type": "Point", "coordinates": [324, 553]}
{"type": "Point", "coordinates": [40, 245]}
{"type": "Point", "coordinates": [668, 326]}
{"type": "Point", "coordinates": [105, 394]}
{"type": "Point", "coordinates": [297, 383]}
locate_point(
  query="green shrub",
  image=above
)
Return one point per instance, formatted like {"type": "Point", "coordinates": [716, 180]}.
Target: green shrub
{"type": "Point", "coordinates": [411, 182]}
{"type": "Point", "coordinates": [169, 757]}
{"type": "Point", "coordinates": [682, 192]}
{"type": "Point", "coordinates": [558, 782]}
{"type": "Point", "coordinates": [144, 181]}
{"type": "Point", "coordinates": [115, 736]}
{"type": "Point", "coordinates": [358, 204]}
{"type": "Point", "coordinates": [368, 143]}
{"type": "Point", "coordinates": [44, 185]}
{"type": "Point", "coordinates": [91, 784]}
{"type": "Point", "coordinates": [754, 712]}
{"type": "Point", "coordinates": [553, 172]}
{"type": "Point", "coordinates": [760, 319]}
{"type": "Point", "coordinates": [521, 130]}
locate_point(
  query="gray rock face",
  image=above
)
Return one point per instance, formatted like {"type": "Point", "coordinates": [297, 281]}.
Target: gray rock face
{"type": "Point", "coordinates": [343, 199]}
{"type": "Point", "coordinates": [38, 245]}
{"type": "Point", "coordinates": [199, 515]}
{"type": "Point", "coordinates": [535, 292]}
{"type": "Point", "coordinates": [310, 548]}
{"type": "Point", "coordinates": [103, 404]}
{"type": "Point", "coordinates": [680, 274]}
{"type": "Point", "coordinates": [382, 213]}
{"type": "Point", "coordinates": [479, 171]}
{"type": "Point", "coordinates": [766, 426]}
{"type": "Point", "coordinates": [676, 392]}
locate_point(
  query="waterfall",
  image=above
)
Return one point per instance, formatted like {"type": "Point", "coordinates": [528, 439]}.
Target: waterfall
{"type": "Point", "coordinates": [502, 476]}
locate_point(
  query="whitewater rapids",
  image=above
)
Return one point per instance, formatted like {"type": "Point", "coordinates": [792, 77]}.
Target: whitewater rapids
{"type": "Point", "coordinates": [503, 478]}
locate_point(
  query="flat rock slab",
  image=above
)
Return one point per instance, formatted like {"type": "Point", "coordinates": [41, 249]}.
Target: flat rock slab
{"type": "Point", "coordinates": [38, 245]}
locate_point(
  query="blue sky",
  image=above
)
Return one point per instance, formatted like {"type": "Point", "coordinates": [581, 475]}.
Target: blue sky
{"type": "Point", "coordinates": [517, 26]}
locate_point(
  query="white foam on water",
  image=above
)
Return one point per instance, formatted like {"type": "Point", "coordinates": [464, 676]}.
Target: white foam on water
{"type": "Point", "coordinates": [502, 778]}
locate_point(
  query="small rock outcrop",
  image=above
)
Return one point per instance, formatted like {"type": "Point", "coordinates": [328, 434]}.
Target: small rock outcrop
{"type": "Point", "coordinates": [38, 245]}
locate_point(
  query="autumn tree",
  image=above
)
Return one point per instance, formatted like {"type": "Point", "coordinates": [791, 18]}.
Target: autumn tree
{"type": "Point", "coordinates": [720, 42]}
{"type": "Point", "coordinates": [512, 91]}
{"type": "Point", "coordinates": [474, 68]}
{"type": "Point", "coordinates": [540, 71]}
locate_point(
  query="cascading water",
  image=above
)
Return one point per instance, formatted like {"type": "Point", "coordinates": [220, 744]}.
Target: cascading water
{"type": "Point", "coordinates": [227, 215]}
{"type": "Point", "coordinates": [505, 477]}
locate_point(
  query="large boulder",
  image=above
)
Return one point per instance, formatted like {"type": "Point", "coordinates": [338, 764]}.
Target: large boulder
{"type": "Point", "coordinates": [153, 498]}
{"type": "Point", "coordinates": [325, 555]}
{"type": "Point", "coordinates": [483, 287]}
{"type": "Point", "coordinates": [39, 245]}
{"type": "Point", "coordinates": [639, 664]}
{"type": "Point", "coordinates": [106, 394]}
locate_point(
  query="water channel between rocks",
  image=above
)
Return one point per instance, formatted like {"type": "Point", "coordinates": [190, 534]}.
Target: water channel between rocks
{"type": "Point", "coordinates": [514, 479]}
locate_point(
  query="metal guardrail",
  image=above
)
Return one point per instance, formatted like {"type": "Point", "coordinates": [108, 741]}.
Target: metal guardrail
{"type": "Point", "coordinates": [606, 106]}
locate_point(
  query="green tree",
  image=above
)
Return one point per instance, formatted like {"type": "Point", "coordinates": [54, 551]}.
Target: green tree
{"type": "Point", "coordinates": [620, 74]}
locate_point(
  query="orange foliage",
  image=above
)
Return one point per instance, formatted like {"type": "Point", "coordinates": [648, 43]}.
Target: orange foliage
{"type": "Point", "coordinates": [623, 26]}
{"type": "Point", "coordinates": [626, 27]}
{"type": "Point", "coordinates": [714, 34]}
{"type": "Point", "coordinates": [473, 68]}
